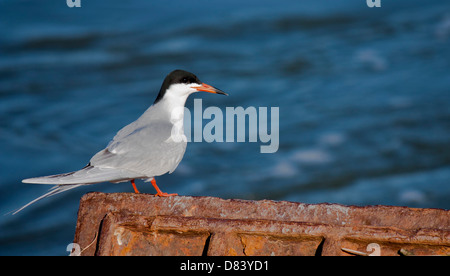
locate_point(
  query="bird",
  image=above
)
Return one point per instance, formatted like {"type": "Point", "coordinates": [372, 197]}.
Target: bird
{"type": "Point", "coordinates": [151, 146]}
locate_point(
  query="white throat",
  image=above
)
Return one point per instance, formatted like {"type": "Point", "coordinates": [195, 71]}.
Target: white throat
{"type": "Point", "coordinates": [173, 102]}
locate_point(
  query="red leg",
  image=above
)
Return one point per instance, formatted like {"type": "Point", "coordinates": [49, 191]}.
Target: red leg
{"type": "Point", "coordinates": [134, 187]}
{"type": "Point", "coordinates": [158, 191]}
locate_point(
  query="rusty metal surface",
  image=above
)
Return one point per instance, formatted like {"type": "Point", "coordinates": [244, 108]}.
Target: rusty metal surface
{"type": "Point", "coordinates": [142, 224]}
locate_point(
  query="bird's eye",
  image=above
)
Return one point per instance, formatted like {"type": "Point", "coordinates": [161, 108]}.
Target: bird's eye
{"type": "Point", "coordinates": [185, 80]}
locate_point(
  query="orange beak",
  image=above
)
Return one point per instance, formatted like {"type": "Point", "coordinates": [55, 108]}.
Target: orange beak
{"type": "Point", "coordinates": [208, 88]}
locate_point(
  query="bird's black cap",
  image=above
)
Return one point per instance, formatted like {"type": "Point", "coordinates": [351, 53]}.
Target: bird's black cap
{"type": "Point", "coordinates": [176, 76]}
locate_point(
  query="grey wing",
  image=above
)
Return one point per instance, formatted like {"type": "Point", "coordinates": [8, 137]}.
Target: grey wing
{"type": "Point", "coordinates": [148, 150]}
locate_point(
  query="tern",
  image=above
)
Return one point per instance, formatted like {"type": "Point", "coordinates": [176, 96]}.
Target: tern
{"type": "Point", "coordinates": [144, 149]}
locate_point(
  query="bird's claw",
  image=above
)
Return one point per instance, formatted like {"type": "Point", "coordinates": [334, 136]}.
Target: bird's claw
{"type": "Point", "coordinates": [165, 194]}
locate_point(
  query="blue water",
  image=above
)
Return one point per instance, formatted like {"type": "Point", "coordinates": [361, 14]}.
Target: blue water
{"type": "Point", "coordinates": [363, 95]}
